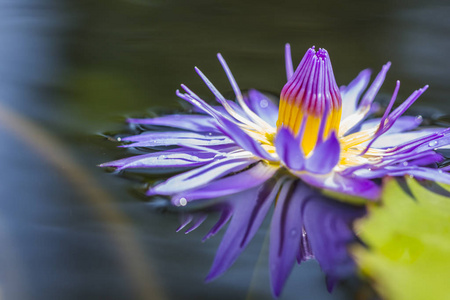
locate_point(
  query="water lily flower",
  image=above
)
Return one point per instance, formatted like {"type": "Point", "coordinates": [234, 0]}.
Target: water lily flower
{"type": "Point", "coordinates": [319, 134]}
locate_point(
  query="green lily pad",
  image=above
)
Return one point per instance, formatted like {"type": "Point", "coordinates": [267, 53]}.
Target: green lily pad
{"type": "Point", "coordinates": [408, 241]}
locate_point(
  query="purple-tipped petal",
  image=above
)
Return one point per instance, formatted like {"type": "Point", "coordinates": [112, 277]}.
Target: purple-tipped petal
{"type": "Point", "coordinates": [289, 150]}
{"type": "Point", "coordinates": [404, 123]}
{"type": "Point", "coordinates": [436, 175]}
{"type": "Point", "coordinates": [285, 234]}
{"type": "Point", "coordinates": [249, 209]}
{"type": "Point", "coordinates": [352, 93]}
{"type": "Point", "coordinates": [152, 139]}
{"type": "Point", "coordinates": [196, 123]}
{"type": "Point", "coordinates": [164, 159]}
{"type": "Point", "coordinates": [385, 126]}
{"type": "Point", "coordinates": [288, 61]}
{"type": "Point", "coordinates": [244, 180]}
{"type": "Point", "coordinates": [369, 96]}
{"type": "Point", "coordinates": [325, 156]}
{"type": "Point", "coordinates": [200, 176]}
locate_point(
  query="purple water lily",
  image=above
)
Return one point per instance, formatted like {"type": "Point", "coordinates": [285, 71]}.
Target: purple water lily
{"type": "Point", "coordinates": [319, 134]}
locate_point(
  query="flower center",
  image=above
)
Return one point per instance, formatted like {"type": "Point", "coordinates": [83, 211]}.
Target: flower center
{"type": "Point", "coordinates": [311, 100]}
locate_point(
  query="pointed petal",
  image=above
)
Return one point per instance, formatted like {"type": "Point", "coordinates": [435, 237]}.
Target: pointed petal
{"type": "Point", "coordinates": [404, 123]}
{"type": "Point", "coordinates": [397, 139]}
{"type": "Point", "coordinates": [163, 159]}
{"type": "Point", "coordinates": [197, 123]}
{"type": "Point", "coordinates": [200, 176]}
{"type": "Point", "coordinates": [436, 175]}
{"type": "Point", "coordinates": [351, 93]}
{"type": "Point", "coordinates": [244, 180]}
{"type": "Point", "coordinates": [288, 60]}
{"type": "Point", "coordinates": [152, 139]}
{"type": "Point", "coordinates": [369, 96]}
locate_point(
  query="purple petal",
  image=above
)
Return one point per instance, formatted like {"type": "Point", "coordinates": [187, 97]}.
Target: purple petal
{"type": "Point", "coordinates": [352, 93]}
{"type": "Point", "coordinates": [289, 150]}
{"type": "Point", "coordinates": [354, 186]}
{"type": "Point", "coordinates": [285, 233]}
{"type": "Point", "coordinates": [325, 156]}
{"type": "Point", "coordinates": [196, 123]}
{"type": "Point", "coordinates": [244, 180]}
{"type": "Point", "coordinates": [397, 139]}
{"type": "Point", "coordinates": [396, 113]}
{"type": "Point", "coordinates": [167, 138]}
{"type": "Point", "coordinates": [164, 159]}
{"type": "Point", "coordinates": [369, 96]}
{"type": "Point", "coordinates": [288, 60]}
{"type": "Point", "coordinates": [200, 176]}
{"type": "Point", "coordinates": [263, 106]}
{"type": "Point", "coordinates": [249, 209]}
{"type": "Point", "coordinates": [404, 123]}
{"type": "Point", "coordinates": [436, 175]}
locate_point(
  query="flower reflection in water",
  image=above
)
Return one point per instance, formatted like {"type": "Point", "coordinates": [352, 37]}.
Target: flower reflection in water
{"type": "Point", "coordinates": [319, 136]}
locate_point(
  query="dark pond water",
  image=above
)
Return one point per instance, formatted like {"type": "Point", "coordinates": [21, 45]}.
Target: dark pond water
{"type": "Point", "coordinates": [72, 69]}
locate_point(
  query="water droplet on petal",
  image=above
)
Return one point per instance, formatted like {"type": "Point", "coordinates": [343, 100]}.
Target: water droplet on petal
{"type": "Point", "coordinates": [263, 103]}
{"type": "Point", "coordinates": [183, 201]}
{"type": "Point", "coordinates": [119, 139]}
{"type": "Point", "coordinates": [162, 157]}
{"type": "Point", "coordinates": [405, 163]}
{"type": "Point", "coordinates": [432, 143]}
{"type": "Point", "coordinates": [419, 118]}
{"type": "Point", "coordinates": [209, 133]}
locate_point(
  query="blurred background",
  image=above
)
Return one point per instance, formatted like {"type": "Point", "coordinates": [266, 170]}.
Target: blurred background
{"type": "Point", "coordinates": [71, 70]}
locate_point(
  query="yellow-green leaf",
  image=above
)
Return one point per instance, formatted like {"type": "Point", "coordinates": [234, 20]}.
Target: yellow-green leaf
{"type": "Point", "coordinates": [408, 239]}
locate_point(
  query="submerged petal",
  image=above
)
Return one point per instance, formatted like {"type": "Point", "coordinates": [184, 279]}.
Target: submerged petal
{"type": "Point", "coordinates": [249, 210]}
{"type": "Point", "coordinates": [285, 234]}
